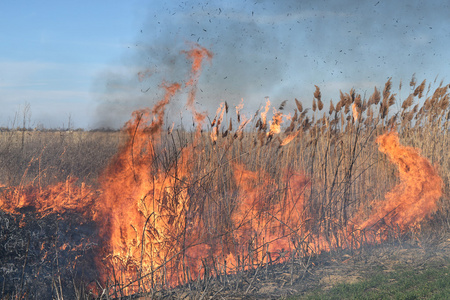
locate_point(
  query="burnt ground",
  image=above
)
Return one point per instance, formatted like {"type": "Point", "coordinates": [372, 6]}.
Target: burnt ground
{"type": "Point", "coordinates": [45, 257]}
{"type": "Point", "coordinates": [52, 257]}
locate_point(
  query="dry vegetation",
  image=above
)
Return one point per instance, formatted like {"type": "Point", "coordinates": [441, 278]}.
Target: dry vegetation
{"type": "Point", "coordinates": [50, 156]}
{"type": "Point", "coordinates": [332, 146]}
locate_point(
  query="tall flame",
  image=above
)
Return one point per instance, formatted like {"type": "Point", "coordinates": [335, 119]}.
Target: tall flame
{"type": "Point", "coordinates": [197, 54]}
{"type": "Point", "coordinates": [144, 209]}
{"type": "Point", "coordinates": [414, 198]}
{"type": "Point", "coordinates": [355, 112]}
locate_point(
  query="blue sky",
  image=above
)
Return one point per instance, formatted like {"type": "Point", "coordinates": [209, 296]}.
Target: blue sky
{"type": "Point", "coordinates": [80, 59]}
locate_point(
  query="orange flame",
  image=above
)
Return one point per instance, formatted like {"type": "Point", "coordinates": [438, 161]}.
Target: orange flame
{"type": "Point", "coordinates": [289, 138]}
{"type": "Point", "coordinates": [143, 209]}
{"type": "Point", "coordinates": [264, 113]}
{"type": "Point", "coordinates": [355, 112]}
{"type": "Point", "coordinates": [270, 222]}
{"type": "Point", "coordinates": [56, 198]}
{"type": "Point", "coordinates": [414, 198]}
{"type": "Point", "coordinates": [144, 74]}
{"type": "Point", "coordinates": [275, 124]}
{"type": "Point", "coordinates": [239, 107]}
{"type": "Point", "coordinates": [197, 54]}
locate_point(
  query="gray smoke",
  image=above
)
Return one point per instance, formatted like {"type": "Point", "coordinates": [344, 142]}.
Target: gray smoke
{"type": "Point", "coordinates": [279, 49]}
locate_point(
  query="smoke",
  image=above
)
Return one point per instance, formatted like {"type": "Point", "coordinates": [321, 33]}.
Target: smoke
{"type": "Point", "coordinates": [277, 49]}
{"type": "Point", "coordinates": [246, 62]}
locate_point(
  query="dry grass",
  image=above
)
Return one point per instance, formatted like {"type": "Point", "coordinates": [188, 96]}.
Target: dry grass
{"type": "Point", "coordinates": [52, 156]}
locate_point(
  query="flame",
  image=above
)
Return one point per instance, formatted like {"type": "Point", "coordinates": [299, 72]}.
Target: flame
{"type": "Point", "coordinates": [275, 124]}
{"type": "Point", "coordinates": [269, 222]}
{"type": "Point", "coordinates": [242, 119]}
{"type": "Point", "coordinates": [144, 74]}
{"type": "Point", "coordinates": [355, 112]}
{"type": "Point", "coordinates": [414, 198]}
{"type": "Point", "coordinates": [264, 115]}
{"type": "Point", "coordinates": [239, 107]}
{"type": "Point", "coordinates": [57, 198]}
{"type": "Point", "coordinates": [144, 209]}
{"type": "Point", "coordinates": [197, 54]}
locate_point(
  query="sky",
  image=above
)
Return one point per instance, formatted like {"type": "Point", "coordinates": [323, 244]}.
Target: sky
{"type": "Point", "coordinates": [75, 63]}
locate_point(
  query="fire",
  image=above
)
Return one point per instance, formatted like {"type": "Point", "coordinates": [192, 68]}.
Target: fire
{"type": "Point", "coordinates": [270, 222]}
{"type": "Point", "coordinates": [275, 124]}
{"type": "Point", "coordinates": [143, 209]}
{"type": "Point", "coordinates": [149, 220]}
{"type": "Point", "coordinates": [414, 198]}
{"type": "Point", "coordinates": [154, 226]}
{"type": "Point", "coordinates": [57, 198]}
{"type": "Point", "coordinates": [289, 138]}
{"type": "Point", "coordinates": [144, 74]}
{"type": "Point", "coordinates": [355, 112]}
{"type": "Point", "coordinates": [197, 54]}
{"type": "Point", "coordinates": [264, 115]}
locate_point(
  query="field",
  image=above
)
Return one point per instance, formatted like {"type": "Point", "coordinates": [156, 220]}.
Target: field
{"type": "Point", "coordinates": [220, 208]}
{"type": "Point", "coordinates": [51, 156]}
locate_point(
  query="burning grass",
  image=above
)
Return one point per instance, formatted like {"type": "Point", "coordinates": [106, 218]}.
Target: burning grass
{"type": "Point", "coordinates": [176, 207]}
